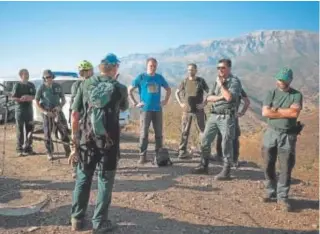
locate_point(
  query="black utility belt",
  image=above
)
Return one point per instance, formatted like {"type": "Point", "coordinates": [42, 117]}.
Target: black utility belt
{"type": "Point", "coordinates": [293, 130]}
{"type": "Point", "coordinates": [223, 112]}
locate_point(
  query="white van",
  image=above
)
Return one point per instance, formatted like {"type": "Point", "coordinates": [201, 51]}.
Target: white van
{"type": "Point", "coordinates": [66, 83]}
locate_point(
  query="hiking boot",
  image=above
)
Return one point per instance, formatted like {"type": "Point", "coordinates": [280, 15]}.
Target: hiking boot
{"type": "Point", "coordinates": [285, 205]}
{"type": "Point", "coordinates": [67, 153]}
{"type": "Point", "coordinates": [267, 198]}
{"type": "Point", "coordinates": [142, 159]}
{"type": "Point", "coordinates": [49, 156]}
{"type": "Point", "coordinates": [76, 224]}
{"type": "Point", "coordinates": [236, 164]}
{"type": "Point", "coordinates": [29, 152]}
{"type": "Point", "coordinates": [202, 168]}
{"type": "Point", "coordinates": [183, 155]}
{"type": "Point", "coordinates": [224, 174]}
{"type": "Point", "coordinates": [106, 227]}
{"type": "Point", "coordinates": [20, 153]}
{"type": "Point", "coordinates": [217, 158]}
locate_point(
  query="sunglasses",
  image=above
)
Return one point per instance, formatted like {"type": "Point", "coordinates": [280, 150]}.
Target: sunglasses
{"type": "Point", "coordinates": [47, 77]}
{"type": "Point", "coordinates": [221, 68]}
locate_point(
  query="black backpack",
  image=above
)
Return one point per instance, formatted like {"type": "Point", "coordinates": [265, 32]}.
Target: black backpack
{"type": "Point", "coordinates": [162, 158]}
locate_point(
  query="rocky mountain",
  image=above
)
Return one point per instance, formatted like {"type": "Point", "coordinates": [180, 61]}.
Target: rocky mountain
{"type": "Point", "coordinates": [256, 57]}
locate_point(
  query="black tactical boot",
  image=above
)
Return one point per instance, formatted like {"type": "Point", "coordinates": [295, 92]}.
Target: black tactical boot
{"type": "Point", "coordinates": [225, 173]}
{"type": "Point", "coordinates": [267, 198]}
{"type": "Point", "coordinates": [202, 168]}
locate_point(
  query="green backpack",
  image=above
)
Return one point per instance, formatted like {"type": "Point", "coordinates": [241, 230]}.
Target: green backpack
{"type": "Point", "coordinates": [103, 95]}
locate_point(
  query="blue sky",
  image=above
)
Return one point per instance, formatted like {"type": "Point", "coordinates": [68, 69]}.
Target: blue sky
{"type": "Point", "coordinates": [57, 35]}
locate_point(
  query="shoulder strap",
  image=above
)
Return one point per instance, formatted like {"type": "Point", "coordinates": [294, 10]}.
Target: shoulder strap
{"type": "Point", "coordinates": [214, 87]}
{"type": "Point", "coordinates": [185, 82]}
{"type": "Point", "coordinates": [273, 94]}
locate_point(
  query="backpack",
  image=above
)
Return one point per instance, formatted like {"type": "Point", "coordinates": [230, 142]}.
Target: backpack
{"type": "Point", "coordinates": [100, 113]}
{"type": "Point", "coordinates": [162, 158]}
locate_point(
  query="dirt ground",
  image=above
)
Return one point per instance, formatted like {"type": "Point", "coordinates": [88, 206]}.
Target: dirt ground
{"type": "Point", "coordinates": [147, 199]}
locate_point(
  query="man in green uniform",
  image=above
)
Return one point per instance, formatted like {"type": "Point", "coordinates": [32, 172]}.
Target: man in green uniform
{"type": "Point", "coordinates": [192, 88]}
{"type": "Point", "coordinates": [282, 107]}
{"type": "Point", "coordinates": [224, 95]}
{"type": "Point", "coordinates": [236, 144]}
{"type": "Point", "coordinates": [50, 99]}
{"type": "Point", "coordinates": [23, 93]}
{"type": "Point", "coordinates": [85, 71]}
{"type": "Point", "coordinates": [92, 150]}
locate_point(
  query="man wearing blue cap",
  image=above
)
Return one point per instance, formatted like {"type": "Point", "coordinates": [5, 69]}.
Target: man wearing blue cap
{"type": "Point", "coordinates": [149, 85]}
{"type": "Point", "coordinates": [282, 107]}
{"type": "Point", "coordinates": [96, 139]}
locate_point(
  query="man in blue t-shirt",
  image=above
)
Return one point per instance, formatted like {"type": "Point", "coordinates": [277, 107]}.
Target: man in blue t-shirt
{"type": "Point", "coordinates": [149, 85]}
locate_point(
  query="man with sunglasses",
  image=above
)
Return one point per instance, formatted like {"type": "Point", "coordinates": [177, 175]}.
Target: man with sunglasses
{"type": "Point", "coordinates": [282, 107]}
{"type": "Point", "coordinates": [236, 145]}
{"type": "Point", "coordinates": [23, 93]}
{"type": "Point", "coordinates": [50, 99]}
{"type": "Point", "coordinates": [224, 95]}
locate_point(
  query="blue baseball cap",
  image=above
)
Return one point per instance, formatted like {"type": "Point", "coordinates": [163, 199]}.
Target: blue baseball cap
{"type": "Point", "coordinates": [110, 59]}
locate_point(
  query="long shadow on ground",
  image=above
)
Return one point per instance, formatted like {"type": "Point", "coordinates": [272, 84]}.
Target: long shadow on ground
{"type": "Point", "coordinates": [137, 222]}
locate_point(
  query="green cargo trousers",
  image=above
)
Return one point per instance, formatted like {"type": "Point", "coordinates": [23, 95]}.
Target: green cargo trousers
{"type": "Point", "coordinates": [225, 124]}
{"type": "Point", "coordinates": [81, 195]}
{"type": "Point", "coordinates": [282, 145]}
{"type": "Point", "coordinates": [236, 143]}
{"type": "Point", "coordinates": [24, 120]}
{"type": "Point", "coordinates": [186, 121]}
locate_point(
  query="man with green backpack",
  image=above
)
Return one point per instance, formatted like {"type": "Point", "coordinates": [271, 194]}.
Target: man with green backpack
{"type": "Point", "coordinates": [96, 140]}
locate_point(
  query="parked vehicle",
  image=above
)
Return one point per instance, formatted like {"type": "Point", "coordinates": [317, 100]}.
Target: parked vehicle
{"type": "Point", "coordinates": [6, 86]}
{"type": "Point", "coordinates": [66, 82]}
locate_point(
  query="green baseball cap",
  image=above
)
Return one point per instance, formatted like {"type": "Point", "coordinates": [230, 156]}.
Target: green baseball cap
{"type": "Point", "coordinates": [285, 74]}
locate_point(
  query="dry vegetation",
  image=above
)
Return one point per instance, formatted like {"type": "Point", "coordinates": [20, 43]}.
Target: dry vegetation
{"type": "Point", "coordinates": [307, 162]}
{"type": "Point", "coordinates": [147, 199]}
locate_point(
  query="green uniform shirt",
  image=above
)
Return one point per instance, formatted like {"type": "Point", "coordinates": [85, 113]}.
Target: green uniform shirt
{"type": "Point", "coordinates": [49, 97]}
{"type": "Point", "coordinates": [82, 96]}
{"type": "Point", "coordinates": [74, 88]}
{"type": "Point", "coordinates": [243, 94]}
{"type": "Point", "coordinates": [234, 86]}
{"type": "Point", "coordinates": [20, 89]}
{"type": "Point", "coordinates": [280, 99]}
{"type": "Point", "coordinates": [193, 91]}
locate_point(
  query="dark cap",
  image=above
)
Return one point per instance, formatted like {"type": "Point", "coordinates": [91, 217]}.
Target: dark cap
{"type": "Point", "coordinates": [47, 73]}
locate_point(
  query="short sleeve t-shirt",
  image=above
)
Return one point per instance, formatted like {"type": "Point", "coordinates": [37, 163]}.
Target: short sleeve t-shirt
{"type": "Point", "coordinates": [281, 99]}
{"type": "Point", "coordinates": [150, 90]}
{"type": "Point", "coordinates": [20, 89]}
{"type": "Point", "coordinates": [193, 91]}
{"type": "Point", "coordinates": [49, 97]}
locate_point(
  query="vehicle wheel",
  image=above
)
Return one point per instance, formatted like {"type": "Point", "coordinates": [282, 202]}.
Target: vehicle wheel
{"type": "Point", "coordinates": [11, 116]}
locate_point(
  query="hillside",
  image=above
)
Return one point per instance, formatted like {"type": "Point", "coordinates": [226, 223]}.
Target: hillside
{"type": "Point", "coordinates": [256, 57]}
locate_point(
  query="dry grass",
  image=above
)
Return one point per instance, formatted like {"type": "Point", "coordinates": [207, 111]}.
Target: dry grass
{"type": "Point", "coordinates": [307, 162]}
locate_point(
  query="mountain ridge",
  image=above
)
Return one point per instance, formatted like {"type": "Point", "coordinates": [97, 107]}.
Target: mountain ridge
{"type": "Point", "coordinates": [256, 58]}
